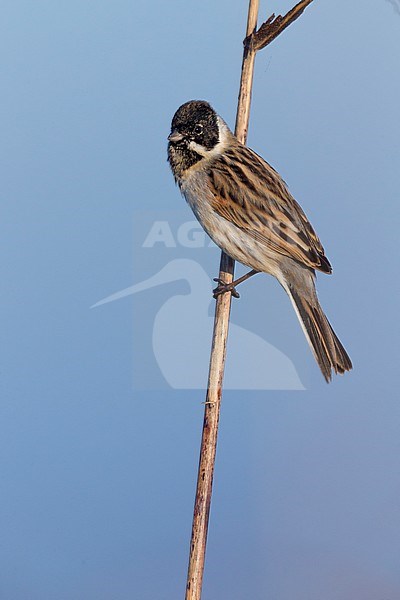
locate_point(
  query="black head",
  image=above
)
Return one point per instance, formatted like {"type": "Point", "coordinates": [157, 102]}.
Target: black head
{"type": "Point", "coordinates": [194, 133]}
{"type": "Point", "coordinates": [195, 121]}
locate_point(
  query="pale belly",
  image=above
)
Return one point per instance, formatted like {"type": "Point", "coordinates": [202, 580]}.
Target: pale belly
{"type": "Point", "coordinates": [238, 244]}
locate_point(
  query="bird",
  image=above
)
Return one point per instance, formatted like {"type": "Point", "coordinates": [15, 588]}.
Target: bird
{"type": "Point", "coordinates": [246, 208]}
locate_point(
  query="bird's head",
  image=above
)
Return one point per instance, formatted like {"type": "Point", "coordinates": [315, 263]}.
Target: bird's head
{"type": "Point", "coordinates": [197, 133]}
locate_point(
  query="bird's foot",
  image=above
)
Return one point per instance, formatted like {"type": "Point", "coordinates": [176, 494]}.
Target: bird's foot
{"type": "Point", "coordinates": [225, 287]}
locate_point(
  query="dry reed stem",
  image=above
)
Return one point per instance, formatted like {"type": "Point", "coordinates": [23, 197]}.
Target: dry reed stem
{"type": "Point", "coordinates": [254, 41]}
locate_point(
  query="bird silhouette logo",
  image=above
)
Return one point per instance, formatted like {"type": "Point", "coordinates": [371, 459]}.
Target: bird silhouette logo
{"type": "Point", "coordinates": [181, 336]}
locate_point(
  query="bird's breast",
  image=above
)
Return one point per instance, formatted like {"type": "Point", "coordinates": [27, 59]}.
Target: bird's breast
{"type": "Point", "coordinates": [234, 241]}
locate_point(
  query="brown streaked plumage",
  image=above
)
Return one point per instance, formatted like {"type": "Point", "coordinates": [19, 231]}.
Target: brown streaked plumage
{"type": "Point", "coordinates": [246, 208]}
{"type": "Point", "coordinates": [277, 221]}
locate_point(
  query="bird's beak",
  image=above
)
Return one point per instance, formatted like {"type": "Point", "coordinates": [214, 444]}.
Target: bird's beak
{"type": "Point", "coordinates": [172, 271]}
{"type": "Point", "coordinates": [175, 136]}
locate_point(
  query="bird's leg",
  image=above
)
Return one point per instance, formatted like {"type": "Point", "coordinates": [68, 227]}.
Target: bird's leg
{"type": "Point", "coordinates": [231, 287]}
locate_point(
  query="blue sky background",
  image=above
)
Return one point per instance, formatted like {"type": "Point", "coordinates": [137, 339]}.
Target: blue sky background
{"type": "Point", "coordinates": [97, 477]}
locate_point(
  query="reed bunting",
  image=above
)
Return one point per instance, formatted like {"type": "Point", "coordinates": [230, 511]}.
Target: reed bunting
{"type": "Point", "coordinates": [247, 210]}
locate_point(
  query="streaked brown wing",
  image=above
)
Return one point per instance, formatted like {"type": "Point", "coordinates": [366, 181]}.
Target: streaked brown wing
{"type": "Point", "coordinates": [253, 196]}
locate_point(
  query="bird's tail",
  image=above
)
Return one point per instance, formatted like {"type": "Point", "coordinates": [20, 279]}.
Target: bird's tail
{"type": "Point", "coordinates": [326, 346]}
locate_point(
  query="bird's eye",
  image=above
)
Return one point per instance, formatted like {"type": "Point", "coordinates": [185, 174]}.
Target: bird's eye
{"type": "Point", "coordinates": [198, 129]}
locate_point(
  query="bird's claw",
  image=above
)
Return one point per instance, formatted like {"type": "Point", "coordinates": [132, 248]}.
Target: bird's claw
{"type": "Point", "coordinates": [224, 287]}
